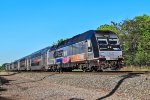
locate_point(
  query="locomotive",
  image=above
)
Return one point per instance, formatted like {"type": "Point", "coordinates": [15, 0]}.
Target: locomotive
{"type": "Point", "coordinates": [94, 50]}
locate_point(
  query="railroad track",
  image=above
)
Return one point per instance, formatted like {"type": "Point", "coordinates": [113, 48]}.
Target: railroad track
{"type": "Point", "coordinates": [93, 73]}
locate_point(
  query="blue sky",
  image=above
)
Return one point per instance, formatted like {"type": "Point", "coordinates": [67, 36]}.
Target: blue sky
{"type": "Point", "coordinates": [29, 25]}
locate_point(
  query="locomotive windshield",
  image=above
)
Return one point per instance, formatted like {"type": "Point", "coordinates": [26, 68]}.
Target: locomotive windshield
{"type": "Point", "coordinates": [113, 41]}
{"type": "Point", "coordinates": [102, 41]}
{"type": "Point", "coordinates": [108, 44]}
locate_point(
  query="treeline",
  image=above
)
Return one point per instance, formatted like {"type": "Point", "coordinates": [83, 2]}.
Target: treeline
{"type": "Point", "coordinates": [134, 37]}
{"type": "Point", "coordinates": [2, 67]}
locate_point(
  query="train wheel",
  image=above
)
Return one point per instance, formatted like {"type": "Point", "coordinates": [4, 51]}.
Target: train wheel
{"type": "Point", "coordinates": [93, 69]}
{"type": "Point", "coordinates": [84, 69]}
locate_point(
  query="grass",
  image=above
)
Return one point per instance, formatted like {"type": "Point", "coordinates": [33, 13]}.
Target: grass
{"type": "Point", "coordinates": [136, 68]}
{"type": "Point", "coordinates": [2, 70]}
{"type": "Point", "coordinates": [77, 70]}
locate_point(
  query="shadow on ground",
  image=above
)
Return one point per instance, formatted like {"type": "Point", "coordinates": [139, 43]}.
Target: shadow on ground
{"type": "Point", "coordinates": [35, 80]}
{"type": "Point", "coordinates": [8, 73]}
{"type": "Point", "coordinates": [3, 98]}
{"type": "Point", "coordinates": [2, 89]}
{"type": "Point", "coordinates": [124, 77]}
{"type": "Point", "coordinates": [4, 81]}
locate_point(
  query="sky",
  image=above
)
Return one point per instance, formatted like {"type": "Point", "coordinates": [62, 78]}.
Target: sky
{"type": "Point", "coordinates": [30, 25]}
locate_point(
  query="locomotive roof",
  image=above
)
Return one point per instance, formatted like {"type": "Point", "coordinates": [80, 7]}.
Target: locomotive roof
{"type": "Point", "coordinates": [77, 38]}
{"type": "Point", "coordinates": [83, 36]}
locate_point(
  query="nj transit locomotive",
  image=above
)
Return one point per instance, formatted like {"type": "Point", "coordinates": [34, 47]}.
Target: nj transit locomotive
{"type": "Point", "coordinates": [94, 50]}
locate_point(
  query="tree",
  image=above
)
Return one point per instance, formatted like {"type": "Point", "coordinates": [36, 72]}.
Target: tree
{"type": "Point", "coordinates": [110, 27]}
{"type": "Point", "coordinates": [134, 37]}
{"type": "Point", "coordinates": [3, 66]}
{"type": "Point", "coordinates": [115, 27]}
{"type": "Point", "coordinates": [60, 41]}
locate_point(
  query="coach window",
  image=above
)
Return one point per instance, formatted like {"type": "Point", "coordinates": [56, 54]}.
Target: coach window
{"type": "Point", "coordinates": [69, 50]}
{"type": "Point", "coordinates": [65, 51]}
{"type": "Point", "coordinates": [80, 48]}
{"type": "Point", "coordinates": [75, 49]}
{"type": "Point", "coordinates": [58, 53]}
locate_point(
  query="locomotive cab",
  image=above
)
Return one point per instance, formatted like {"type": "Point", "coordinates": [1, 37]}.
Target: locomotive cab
{"type": "Point", "coordinates": [110, 53]}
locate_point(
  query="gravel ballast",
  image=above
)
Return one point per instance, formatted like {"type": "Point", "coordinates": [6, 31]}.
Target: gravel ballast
{"type": "Point", "coordinates": [76, 86]}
